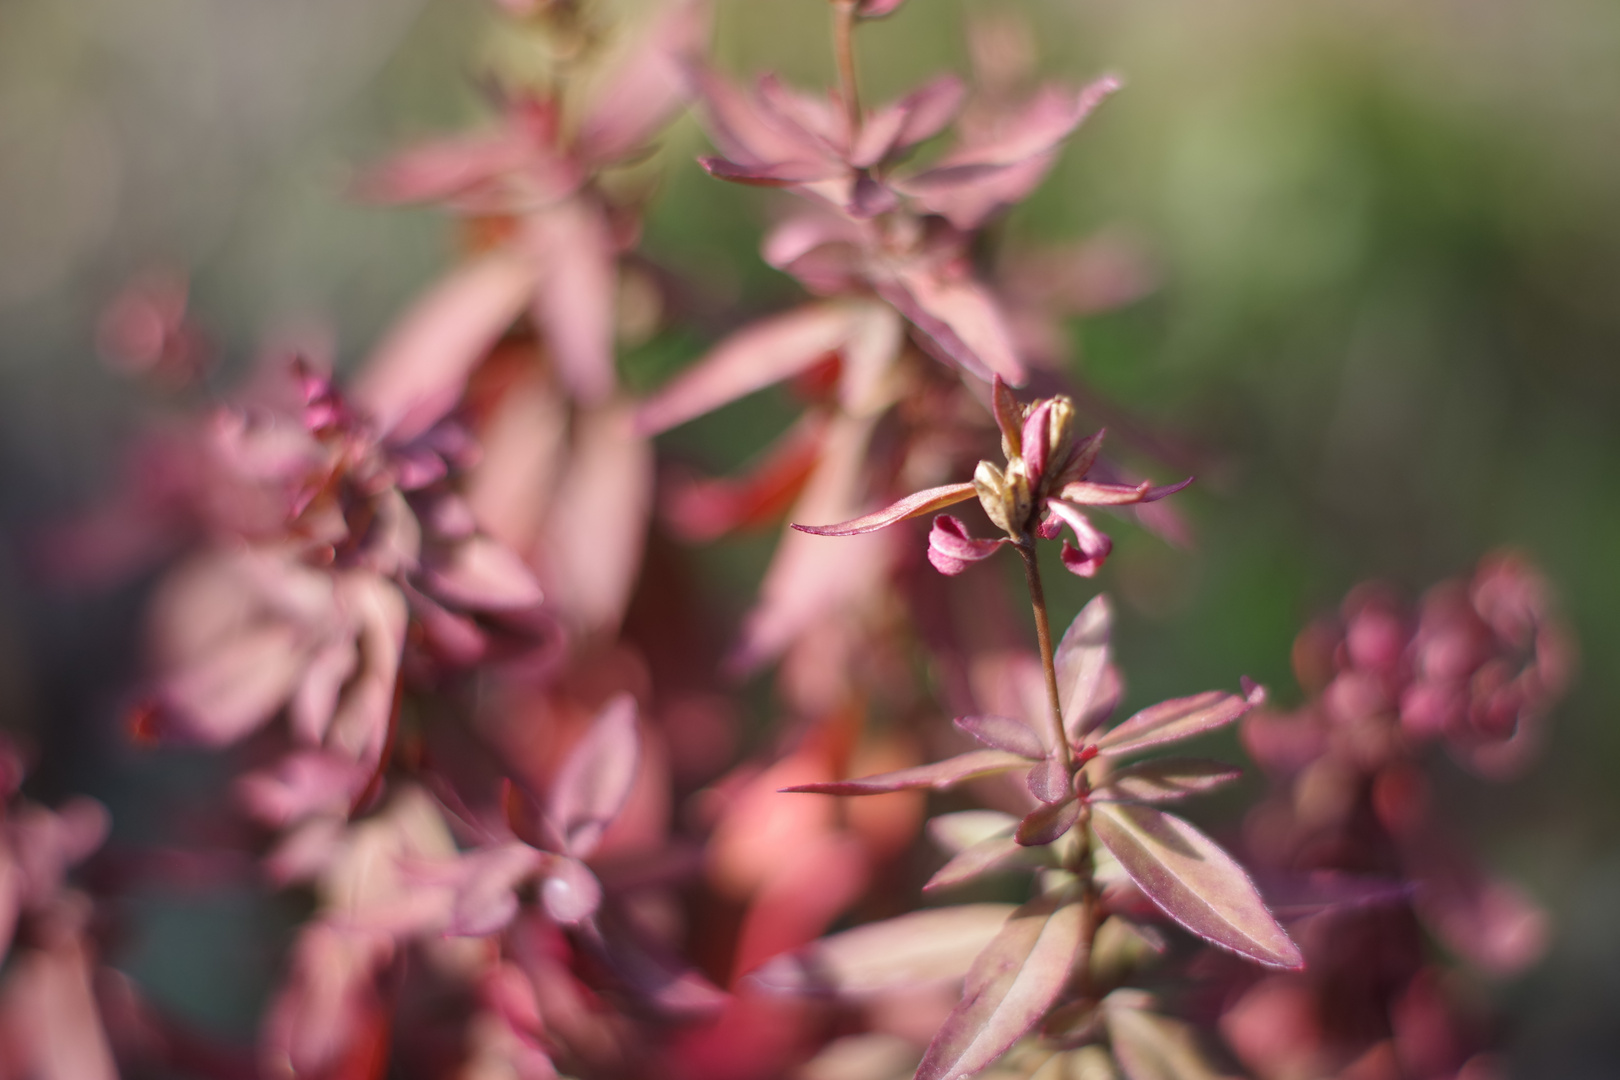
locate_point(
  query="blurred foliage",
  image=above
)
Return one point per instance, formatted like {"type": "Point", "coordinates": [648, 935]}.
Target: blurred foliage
{"type": "Point", "coordinates": [1388, 236]}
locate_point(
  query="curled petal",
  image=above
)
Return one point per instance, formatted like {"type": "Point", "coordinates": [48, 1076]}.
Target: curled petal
{"type": "Point", "coordinates": [1088, 558]}
{"type": "Point", "coordinates": [923, 502]}
{"type": "Point", "coordinates": [952, 550]}
{"type": "Point", "coordinates": [1087, 493]}
{"type": "Point", "coordinates": [939, 776]}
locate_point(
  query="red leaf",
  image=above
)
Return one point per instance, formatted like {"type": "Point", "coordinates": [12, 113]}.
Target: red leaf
{"type": "Point", "coordinates": [1049, 780]}
{"type": "Point", "coordinates": [1172, 721]}
{"type": "Point", "coordinates": [923, 947]}
{"type": "Point", "coordinates": [594, 782]}
{"type": "Point", "coordinates": [915, 505]}
{"type": "Point", "coordinates": [1166, 779]}
{"type": "Point", "coordinates": [1194, 881]}
{"type": "Point", "coordinates": [940, 776]}
{"type": "Point", "coordinates": [981, 858]}
{"type": "Point", "coordinates": [1009, 988]}
{"type": "Point", "coordinates": [1004, 733]}
{"type": "Point", "coordinates": [1047, 823]}
{"type": "Point", "coordinates": [1087, 692]}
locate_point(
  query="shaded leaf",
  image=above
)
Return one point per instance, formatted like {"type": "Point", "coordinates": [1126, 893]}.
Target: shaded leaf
{"type": "Point", "coordinates": [1172, 721]}
{"type": "Point", "coordinates": [915, 505]}
{"type": "Point", "coordinates": [989, 854]}
{"type": "Point", "coordinates": [1193, 881]}
{"type": "Point", "coordinates": [938, 776]}
{"type": "Point", "coordinates": [1082, 662]}
{"type": "Point", "coordinates": [1004, 733]}
{"type": "Point", "coordinates": [1167, 779]}
{"type": "Point", "coordinates": [1048, 822]}
{"type": "Point", "coordinates": [1050, 780]}
{"type": "Point", "coordinates": [929, 946]}
{"type": "Point", "coordinates": [483, 575]}
{"type": "Point", "coordinates": [959, 831]}
{"type": "Point", "coordinates": [1009, 988]}
{"type": "Point", "coordinates": [1151, 1047]}
{"type": "Point", "coordinates": [595, 780]}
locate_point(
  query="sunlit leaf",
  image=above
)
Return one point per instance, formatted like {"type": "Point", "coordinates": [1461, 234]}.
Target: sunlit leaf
{"type": "Point", "coordinates": [1004, 733]}
{"type": "Point", "coordinates": [914, 505]}
{"type": "Point", "coordinates": [1166, 779]}
{"type": "Point", "coordinates": [1174, 720]}
{"type": "Point", "coordinates": [1151, 1047]}
{"type": "Point", "coordinates": [1194, 881]}
{"type": "Point", "coordinates": [1082, 662]}
{"type": "Point", "coordinates": [939, 776]}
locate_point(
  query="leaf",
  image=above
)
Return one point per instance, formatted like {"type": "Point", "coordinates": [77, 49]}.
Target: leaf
{"type": "Point", "coordinates": [775, 174]}
{"type": "Point", "coordinates": [1047, 823]}
{"type": "Point", "coordinates": [939, 776]}
{"type": "Point", "coordinates": [1151, 1047]}
{"type": "Point", "coordinates": [1004, 733]}
{"type": "Point", "coordinates": [989, 854]}
{"type": "Point", "coordinates": [646, 86]}
{"type": "Point", "coordinates": [574, 298]}
{"type": "Point", "coordinates": [919, 115]}
{"type": "Point", "coordinates": [929, 946]}
{"type": "Point", "coordinates": [1010, 987]}
{"type": "Point", "coordinates": [595, 780]}
{"type": "Point", "coordinates": [959, 831]}
{"type": "Point", "coordinates": [482, 575]}
{"type": "Point", "coordinates": [960, 321]}
{"type": "Point", "coordinates": [915, 505]}
{"type": "Point", "coordinates": [1166, 779]}
{"type": "Point", "coordinates": [1009, 418]}
{"type": "Point", "coordinates": [419, 371]}
{"type": "Point", "coordinates": [1193, 881]}
{"type": "Point", "coordinates": [1172, 721]}
{"type": "Point", "coordinates": [1090, 493]}
{"type": "Point", "coordinates": [1082, 662]}
{"type": "Point", "coordinates": [751, 359]}
{"type": "Point", "coordinates": [1050, 781]}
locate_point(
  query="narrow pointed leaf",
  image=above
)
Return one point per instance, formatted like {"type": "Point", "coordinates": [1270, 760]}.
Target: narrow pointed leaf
{"type": "Point", "coordinates": [1174, 720]}
{"type": "Point", "coordinates": [1082, 662]}
{"type": "Point", "coordinates": [923, 947]}
{"type": "Point", "coordinates": [594, 782]}
{"type": "Point", "coordinates": [923, 502]}
{"type": "Point", "coordinates": [1004, 733]}
{"type": "Point", "coordinates": [1193, 881]}
{"type": "Point", "coordinates": [1166, 779]}
{"type": "Point", "coordinates": [1009, 989]}
{"type": "Point", "coordinates": [939, 776]}
{"type": "Point", "coordinates": [990, 854]}
{"type": "Point", "coordinates": [1046, 823]}
{"type": "Point", "coordinates": [1089, 493]}
{"type": "Point", "coordinates": [959, 831]}
{"type": "Point", "coordinates": [1151, 1047]}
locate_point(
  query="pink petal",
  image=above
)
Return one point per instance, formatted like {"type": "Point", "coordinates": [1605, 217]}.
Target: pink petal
{"type": "Point", "coordinates": [595, 780]}
{"type": "Point", "coordinates": [360, 727]}
{"type": "Point", "coordinates": [420, 370]}
{"type": "Point", "coordinates": [952, 551]}
{"type": "Point", "coordinates": [572, 245]}
{"type": "Point", "coordinates": [1194, 882]}
{"type": "Point", "coordinates": [940, 776]}
{"type": "Point", "coordinates": [1004, 733]}
{"type": "Point", "coordinates": [1166, 779]}
{"type": "Point", "coordinates": [1011, 985]}
{"type": "Point", "coordinates": [571, 893]}
{"type": "Point", "coordinates": [486, 889]}
{"type": "Point", "coordinates": [1174, 720]}
{"type": "Point", "coordinates": [1087, 493]}
{"type": "Point", "coordinates": [238, 686]}
{"type": "Point", "coordinates": [301, 785]}
{"type": "Point", "coordinates": [751, 359]}
{"type": "Point", "coordinates": [915, 505]}
{"type": "Point", "coordinates": [925, 947]}
{"type": "Point", "coordinates": [1094, 547]}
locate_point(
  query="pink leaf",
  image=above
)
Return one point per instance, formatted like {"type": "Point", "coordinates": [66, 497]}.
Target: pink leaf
{"type": "Point", "coordinates": [482, 575]}
{"type": "Point", "coordinates": [1045, 122]}
{"type": "Point", "coordinates": [1082, 662]}
{"type": "Point", "coordinates": [751, 359]}
{"type": "Point", "coordinates": [486, 885]}
{"type": "Point", "coordinates": [773, 174]}
{"type": "Point", "coordinates": [922, 502]}
{"type": "Point", "coordinates": [1004, 733]}
{"type": "Point", "coordinates": [940, 776]}
{"type": "Point", "coordinates": [960, 322]}
{"type": "Point", "coordinates": [1193, 881]}
{"type": "Point", "coordinates": [572, 245]}
{"type": "Point", "coordinates": [1009, 988]}
{"type": "Point", "coordinates": [1046, 823]}
{"type": "Point", "coordinates": [1087, 493]}
{"type": "Point", "coordinates": [981, 858]}
{"type": "Point", "coordinates": [951, 550]}
{"type": "Point", "coordinates": [442, 169]}
{"type": "Point", "coordinates": [1172, 721]}
{"type": "Point", "coordinates": [1049, 781]}
{"type": "Point", "coordinates": [645, 88]}
{"type": "Point", "coordinates": [1150, 1047]}
{"type": "Point", "coordinates": [1166, 779]}
{"type": "Point", "coordinates": [924, 947]}
{"type": "Point", "coordinates": [919, 115]}
{"type": "Point", "coordinates": [595, 780]}
{"type": "Point", "coordinates": [745, 133]}
{"type": "Point", "coordinates": [419, 371]}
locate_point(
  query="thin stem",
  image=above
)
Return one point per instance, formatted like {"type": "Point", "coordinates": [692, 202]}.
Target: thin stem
{"type": "Point", "coordinates": [1043, 632]}
{"type": "Point", "coordinates": [844, 48]}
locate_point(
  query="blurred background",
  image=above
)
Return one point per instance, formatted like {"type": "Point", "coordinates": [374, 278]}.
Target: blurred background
{"type": "Point", "coordinates": [1386, 237]}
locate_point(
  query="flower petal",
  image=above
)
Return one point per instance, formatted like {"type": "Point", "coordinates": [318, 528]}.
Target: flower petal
{"type": "Point", "coordinates": [952, 550]}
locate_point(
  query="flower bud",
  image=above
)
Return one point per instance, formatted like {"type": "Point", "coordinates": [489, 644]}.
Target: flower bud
{"type": "Point", "coordinates": [1005, 497]}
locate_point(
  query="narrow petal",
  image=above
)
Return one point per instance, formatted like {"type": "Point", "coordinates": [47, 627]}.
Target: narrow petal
{"type": "Point", "coordinates": [939, 776]}
{"type": "Point", "coordinates": [919, 115]}
{"type": "Point", "coordinates": [1088, 558]}
{"type": "Point", "coordinates": [952, 550]}
{"type": "Point", "coordinates": [1086, 493]}
{"type": "Point", "coordinates": [923, 502]}
{"type": "Point", "coordinates": [1174, 720]}
{"type": "Point", "coordinates": [1004, 733]}
{"type": "Point", "coordinates": [1193, 881]}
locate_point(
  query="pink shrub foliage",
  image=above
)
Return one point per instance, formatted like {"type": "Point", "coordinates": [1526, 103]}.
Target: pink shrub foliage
{"type": "Point", "coordinates": [442, 621]}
